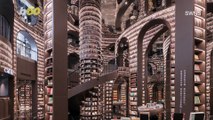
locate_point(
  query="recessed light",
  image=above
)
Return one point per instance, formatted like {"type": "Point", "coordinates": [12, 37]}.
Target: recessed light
{"type": "Point", "coordinates": [126, 2]}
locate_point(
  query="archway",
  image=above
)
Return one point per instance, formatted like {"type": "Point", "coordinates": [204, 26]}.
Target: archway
{"type": "Point", "coordinates": [154, 68]}
{"type": "Point", "coordinates": [142, 63]}
{"type": "Point", "coordinates": [121, 11]}
{"type": "Point", "coordinates": [123, 49]}
{"type": "Point", "coordinates": [120, 97]}
{"type": "Point", "coordinates": [152, 6]}
{"type": "Point", "coordinates": [121, 84]}
{"type": "Point", "coordinates": [26, 45]}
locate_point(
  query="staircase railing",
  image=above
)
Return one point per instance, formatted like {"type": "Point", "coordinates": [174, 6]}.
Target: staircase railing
{"type": "Point", "coordinates": [73, 76]}
{"type": "Point", "coordinates": [109, 72]}
{"type": "Point", "coordinates": [108, 69]}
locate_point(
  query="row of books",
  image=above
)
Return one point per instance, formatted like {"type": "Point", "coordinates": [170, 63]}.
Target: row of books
{"type": "Point", "coordinates": [199, 33]}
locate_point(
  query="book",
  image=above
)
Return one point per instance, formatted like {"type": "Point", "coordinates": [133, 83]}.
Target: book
{"type": "Point", "coordinates": [196, 89]}
{"type": "Point", "coordinates": [197, 78]}
{"type": "Point", "coordinates": [196, 67]}
{"type": "Point", "coordinates": [196, 100]}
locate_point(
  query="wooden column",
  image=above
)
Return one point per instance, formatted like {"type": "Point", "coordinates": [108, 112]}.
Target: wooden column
{"type": "Point", "coordinates": [184, 46]}
{"type": "Point", "coordinates": [60, 107]}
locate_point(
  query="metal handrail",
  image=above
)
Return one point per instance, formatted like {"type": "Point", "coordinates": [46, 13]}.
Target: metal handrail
{"type": "Point", "coordinates": [31, 52]}
{"type": "Point", "coordinates": [109, 68]}
{"type": "Point", "coordinates": [71, 72]}
{"type": "Point", "coordinates": [106, 70]}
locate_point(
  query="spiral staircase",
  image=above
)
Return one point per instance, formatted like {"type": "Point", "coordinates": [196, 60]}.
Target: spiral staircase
{"type": "Point", "coordinates": [81, 96]}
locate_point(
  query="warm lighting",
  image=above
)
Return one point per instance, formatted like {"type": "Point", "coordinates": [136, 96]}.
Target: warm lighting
{"type": "Point", "coordinates": [126, 2]}
{"type": "Point", "coordinates": [133, 17]}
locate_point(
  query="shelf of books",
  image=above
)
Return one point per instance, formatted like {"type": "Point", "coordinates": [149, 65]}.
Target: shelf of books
{"type": "Point", "coordinates": [172, 83]}
{"type": "Point", "coordinates": [209, 26]}
{"type": "Point", "coordinates": [90, 57]}
{"type": "Point", "coordinates": [48, 14]}
{"type": "Point", "coordinates": [133, 95]}
{"type": "Point", "coordinates": [91, 108]}
{"type": "Point", "coordinates": [108, 99]}
{"type": "Point", "coordinates": [123, 97]}
{"type": "Point", "coordinates": [25, 100]}
{"type": "Point", "coordinates": [199, 56]}
{"type": "Point", "coordinates": [40, 100]}
{"type": "Point", "coordinates": [49, 86]}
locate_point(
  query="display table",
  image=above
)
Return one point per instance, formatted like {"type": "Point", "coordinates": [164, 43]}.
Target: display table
{"type": "Point", "coordinates": [127, 118]}
{"type": "Point", "coordinates": [152, 109]}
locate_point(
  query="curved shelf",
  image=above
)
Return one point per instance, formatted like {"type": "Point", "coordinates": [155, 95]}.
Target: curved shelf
{"type": "Point", "coordinates": [198, 40]}
{"type": "Point", "coordinates": [198, 72]}
{"type": "Point", "coordinates": [198, 51]}
{"type": "Point", "coordinates": [198, 61]}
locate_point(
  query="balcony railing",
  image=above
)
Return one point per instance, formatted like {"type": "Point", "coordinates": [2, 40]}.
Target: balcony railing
{"type": "Point", "coordinates": [108, 69]}
{"type": "Point", "coordinates": [26, 51]}
{"type": "Point", "coordinates": [124, 71]}
{"type": "Point", "coordinates": [73, 74]}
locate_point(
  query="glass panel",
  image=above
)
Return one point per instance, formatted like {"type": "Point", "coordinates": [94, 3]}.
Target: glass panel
{"type": "Point", "coordinates": [4, 28]}
{"type": "Point", "coordinates": [4, 87]}
{"type": "Point", "coordinates": [26, 46]}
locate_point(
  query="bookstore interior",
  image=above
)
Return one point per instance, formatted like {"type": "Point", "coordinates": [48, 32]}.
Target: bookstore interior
{"type": "Point", "coordinates": [106, 59]}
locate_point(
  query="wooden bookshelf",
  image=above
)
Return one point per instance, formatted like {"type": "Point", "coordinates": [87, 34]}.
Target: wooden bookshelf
{"type": "Point", "coordinates": [199, 57]}
{"type": "Point", "coordinates": [108, 99]}
{"type": "Point", "coordinates": [55, 60]}
{"type": "Point", "coordinates": [90, 57]}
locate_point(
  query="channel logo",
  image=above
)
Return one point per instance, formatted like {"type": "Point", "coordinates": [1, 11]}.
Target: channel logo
{"type": "Point", "coordinates": [192, 13]}
{"type": "Point", "coordinates": [33, 11]}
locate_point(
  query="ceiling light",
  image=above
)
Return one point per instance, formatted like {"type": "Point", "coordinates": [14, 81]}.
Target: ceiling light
{"type": "Point", "coordinates": [126, 2]}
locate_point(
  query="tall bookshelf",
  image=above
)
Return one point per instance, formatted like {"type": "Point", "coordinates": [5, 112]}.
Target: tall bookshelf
{"type": "Point", "coordinates": [25, 100]}
{"type": "Point", "coordinates": [48, 14]}
{"type": "Point", "coordinates": [123, 98]}
{"type": "Point", "coordinates": [90, 57]}
{"type": "Point", "coordinates": [40, 101]}
{"type": "Point", "coordinates": [108, 100]}
{"type": "Point", "coordinates": [55, 59]}
{"type": "Point", "coordinates": [209, 65]}
{"type": "Point", "coordinates": [199, 55]}
{"type": "Point", "coordinates": [91, 108]}
{"type": "Point", "coordinates": [133, 95]}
